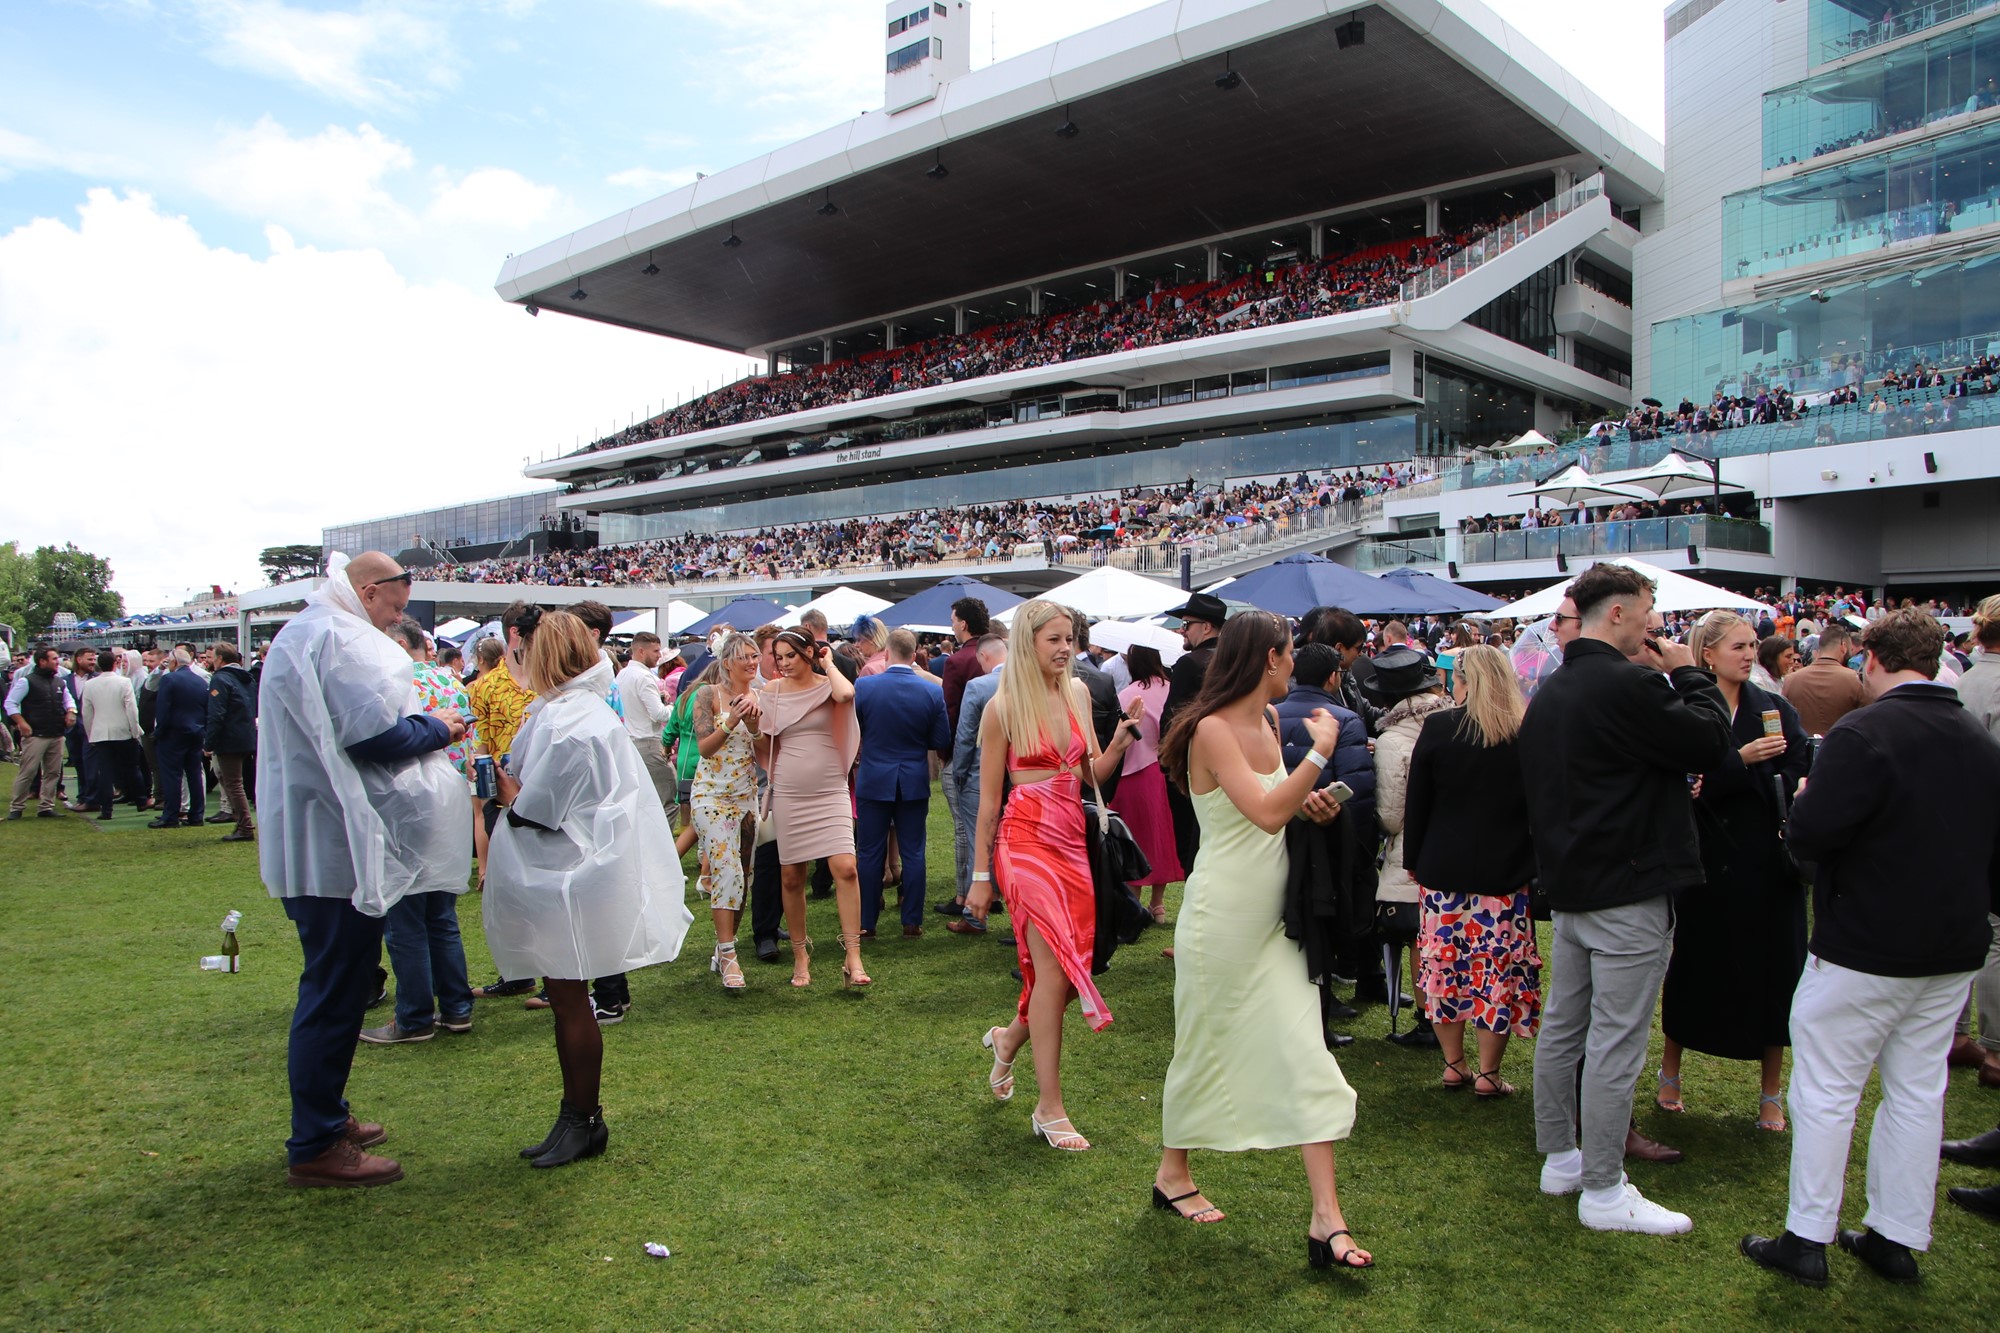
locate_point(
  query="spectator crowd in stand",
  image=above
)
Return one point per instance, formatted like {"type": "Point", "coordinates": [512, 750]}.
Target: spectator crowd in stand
{"type": "Point", "coordinates": [1263, 295]}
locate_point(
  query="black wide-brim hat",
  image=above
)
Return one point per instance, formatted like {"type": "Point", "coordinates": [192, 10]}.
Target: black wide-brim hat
{"type": "Point", "coordinates": [1399, 673]}
{"type": "Point", "coordinates": [1202, 606]}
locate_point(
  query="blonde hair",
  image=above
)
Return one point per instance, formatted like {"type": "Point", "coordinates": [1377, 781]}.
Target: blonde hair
{"type": "Point", "coordinates": [1493, 703]}
{"type": "Point", "coordinates": [1986, 622]}
{"type": "Point", "coordinates": [563, 649]}
{"type": "Point", "coordinates": [1711, 630]}
{"type": "Point", "coordinates": [1029, 723]}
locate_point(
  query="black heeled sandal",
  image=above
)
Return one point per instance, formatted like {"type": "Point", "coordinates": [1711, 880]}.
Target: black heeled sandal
{"type": "Point", "coordinates": [1464, 1073]}
{"type": "Point", "coordinates": [1160, 1200]}
{"type": "Point", "coordinates": [1319, 1253]}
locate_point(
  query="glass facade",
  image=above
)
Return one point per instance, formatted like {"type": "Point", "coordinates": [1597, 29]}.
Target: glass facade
{"type": "Point", "coordinates": [1946, 186]}
{"type": "Point", "coordinates": [1462, 409]}
{"type": "Point", "coordinates": [1525, 314]}
{"type": "Point", "coordinates": [1945, 314]}
{"type": "Point", "coordinates": [1215, 457]}
{"type": "Point", "coordinates": [1837, 29]}
{"type": "Point", "coordinates": [1948, 77]}
{"type": "Point", "coordinates": [1626, 538]}
{"type": "Point", "coordinates": [473, 524]}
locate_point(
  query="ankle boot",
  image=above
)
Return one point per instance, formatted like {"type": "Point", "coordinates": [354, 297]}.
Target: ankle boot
{"type": "Point", "coordinates": [582, 1136]}
{"type": "Point", "coordinates": [555, 1133]}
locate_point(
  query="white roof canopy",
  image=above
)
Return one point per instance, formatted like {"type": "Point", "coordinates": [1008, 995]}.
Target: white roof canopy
{"type": "Point", "coordinates": [1671, 592]}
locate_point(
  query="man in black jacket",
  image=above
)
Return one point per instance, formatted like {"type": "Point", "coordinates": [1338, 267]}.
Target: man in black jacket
{"type": "Point", "coordinates": [1202, 616]}
{"type": "Point", "coordinates": [1106, 714]}
{"type": "Point", "coordinates": [1895, 946]}
{"type": "Point", "coordinates": [1606, 751]}
{"type": "Point", "coordinates": [231, 733]}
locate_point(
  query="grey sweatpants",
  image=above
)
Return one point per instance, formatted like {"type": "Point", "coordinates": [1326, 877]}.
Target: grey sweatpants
{"type": "Point", "coordinates": [1607, 967]}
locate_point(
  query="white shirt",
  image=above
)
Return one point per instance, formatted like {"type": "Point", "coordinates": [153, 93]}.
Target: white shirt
{"type": "Point", "coordinates": [645, 707]}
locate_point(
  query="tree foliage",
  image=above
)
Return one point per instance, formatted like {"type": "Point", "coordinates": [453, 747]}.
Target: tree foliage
{"type": "Point", "coordinates": [35, 586]}
{"type": "Point", "coordinates": [282, 564]}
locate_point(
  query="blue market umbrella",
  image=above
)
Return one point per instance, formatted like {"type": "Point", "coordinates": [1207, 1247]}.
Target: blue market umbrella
{"type": "Point", "coordinates": [931, 608]}
{"type": "Point", "coordinates": [745, 613]}
{"type": "Point", "coordinates": [1453, 596]}
{"type": "Point", "coordinates": [1296, 584]}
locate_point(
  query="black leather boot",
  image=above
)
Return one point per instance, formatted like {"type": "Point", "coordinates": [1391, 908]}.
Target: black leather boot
{"type": "Point", "coordinates": [579, 1136]}
{"type": "Point", "coordinates": [555, 1132]}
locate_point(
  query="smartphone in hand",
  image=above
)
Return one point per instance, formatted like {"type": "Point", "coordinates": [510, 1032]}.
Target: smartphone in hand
{"type": "Point", "coordinates": [1341, 792]}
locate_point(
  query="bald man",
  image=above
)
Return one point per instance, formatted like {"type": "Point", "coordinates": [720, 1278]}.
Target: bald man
{"type": "Point", "coordinates": [360, 807]}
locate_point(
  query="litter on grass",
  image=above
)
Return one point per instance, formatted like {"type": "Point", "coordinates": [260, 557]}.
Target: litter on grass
{"type": "Point", "coordinates": [657, 1250]}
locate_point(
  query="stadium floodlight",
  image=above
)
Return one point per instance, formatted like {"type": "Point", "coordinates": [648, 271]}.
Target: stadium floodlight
{"type": "Point", "coordinates": [533, 309]}
{"type": "Point", "coordinates": [732, 240]}
{"type": "Point", "coordinates": [1229, 79]}
{"type": "Point", "coordinates": [827, 209]}
{"type": "Point", "coordinates": [579, 294]}
{"type": "Point", "coordinates": [938, 171]}
{"type": "Point", "coordinates": [651, 270]}
{"type": "Point", "coordinates": [1068, 129]}
{"type": "Point", "coordinates": [1351, 33]}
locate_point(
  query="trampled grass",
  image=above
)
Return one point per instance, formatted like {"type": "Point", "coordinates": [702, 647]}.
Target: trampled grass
{"type": "Point", "coordinates": [814, 1160]}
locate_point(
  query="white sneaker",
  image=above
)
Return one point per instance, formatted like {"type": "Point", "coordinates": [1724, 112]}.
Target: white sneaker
{"type": "Point", "coordinates": [1557, 1181]}
{"type": "Point", "coordinates": [1633, 1212]}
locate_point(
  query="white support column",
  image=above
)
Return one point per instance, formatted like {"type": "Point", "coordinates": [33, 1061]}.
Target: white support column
{"type": "Point", "coordinates": [1431, 215]}
{"type": "Point", "coordinates": [1118, 283]}
{"type": "Point", "coordinates": [825, 350]}
{"type": "Point", "coordinates": [1214, 260]}
{"type": "Point", "coordinates": [1318, 242]}
{"type": "Point", "coordinates": [770, 363]}
{"type": "Point", "coordinates": [958, 319]}
{"type": "Point", "coordinates": [1034, 300]}
{"type": "Point", "coordinates": [889, 334]}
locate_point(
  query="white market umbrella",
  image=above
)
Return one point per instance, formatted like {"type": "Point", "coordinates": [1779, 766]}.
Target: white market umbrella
{"type": "Point", "coordinates": [842, 606]}
{"type": "Point", "coordinates": [1574, 485]}
{"type": "Point", "coordinates": [1118, 635]}
{"type": "Point", "coordinates": [639, 622]}
{"type": "Point", "coordinates": [680, 615]}
{"type": "Point", "coordinates": [1109, 593]}
{"type": "Point", "coordinates": [454, 627]}
{"type": "Point", "coordinates": [1675, 475]}
{"type": "Point", "coordinates": [1671, 592]}
{"type": "Point", "coordinates": [1524, 444]}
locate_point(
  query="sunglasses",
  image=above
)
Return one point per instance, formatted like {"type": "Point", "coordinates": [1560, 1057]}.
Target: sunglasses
{"type": "Point", "coordinates": [403, 578]}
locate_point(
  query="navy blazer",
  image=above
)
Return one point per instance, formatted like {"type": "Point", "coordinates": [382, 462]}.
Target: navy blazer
{"type": "Point", "coordinates": [902, 722]}
{"type": "Point", "coordinates": [182, 709]}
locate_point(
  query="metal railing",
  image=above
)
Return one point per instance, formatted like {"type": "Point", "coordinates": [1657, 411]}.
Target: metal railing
{"type": "Point", "coordinates": [1502, 239]}
{"type": "Point", "coordinates": [1400, 553]}
{"type": "Point", "coordinates": [1899, 25]}
{"type": "Point", "coordinates": [1628, 537]}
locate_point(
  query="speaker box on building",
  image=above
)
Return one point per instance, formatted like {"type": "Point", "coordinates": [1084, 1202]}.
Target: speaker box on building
{"type": "Point", "coordinates": [1562, 563]}
{"type": "Point", "coordinates": [1451, 569]}
{"type": "Point", "coordinates": [1694, 554]}
{"type": "Point", "coordinates": [1930, 462]}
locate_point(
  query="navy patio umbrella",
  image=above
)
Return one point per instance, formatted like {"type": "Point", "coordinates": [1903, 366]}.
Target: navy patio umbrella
{"type": "Point", "coordinates": [1296, 584]}
{"type": "Point", "coordinates": [1458, 597]}
{"type": "Point", "coordinates": [931, 609]}
{"type": "Point", "coordinates": [745, 613]}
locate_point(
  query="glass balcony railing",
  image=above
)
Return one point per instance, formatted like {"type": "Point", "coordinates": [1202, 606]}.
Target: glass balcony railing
{"type": "Point", "coordinates": [1632, 537]}
{"type": "Point", "coordinates": [1840, 28]}
{"type": "Point", "coordinates": [1502, 239]}
{"type": "Point", "coordinates": [1400, 554]}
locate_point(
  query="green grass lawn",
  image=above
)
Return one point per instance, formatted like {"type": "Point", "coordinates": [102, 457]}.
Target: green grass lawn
{"type": "Point", "coordinates": [814, 1160]}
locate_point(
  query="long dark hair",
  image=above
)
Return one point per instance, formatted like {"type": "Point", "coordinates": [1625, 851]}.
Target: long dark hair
{"type": "Point", "coordinates": [1144, 663]}
{"type": "Point", "coordinates": [1242, 656]}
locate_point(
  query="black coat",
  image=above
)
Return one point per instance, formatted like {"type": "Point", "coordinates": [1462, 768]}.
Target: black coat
{"type": "Point", "coordinates": [1740, 938]}
{"type": "Point", "coordinates": [1899, 817]}
{"type": "Point", "coordinates": [1324, 907]}
{"type": "Point", "coordinates": [1606, 749]}
{"type": "Point", "coordinates": [1105, 714]}
{"type": "Point", "coordinates": [232, 712]}
{"type": "Point", "coordinates": [1465, 813]}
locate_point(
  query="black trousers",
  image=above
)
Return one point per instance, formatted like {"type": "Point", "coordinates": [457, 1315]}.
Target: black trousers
{"type": "Point", "coordinates": [767, 903]}
{"type": "Point", "coordinates": [115, 764]}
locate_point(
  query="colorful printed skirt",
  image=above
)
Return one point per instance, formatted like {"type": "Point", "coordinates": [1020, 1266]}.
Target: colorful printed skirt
{"type": "Point", "coordinates": [1479, 963]}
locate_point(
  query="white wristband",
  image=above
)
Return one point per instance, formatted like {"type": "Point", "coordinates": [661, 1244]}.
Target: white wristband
{"type": "Point", "coordinates": [1317, 759]}
{"type": "Point", "coordinates": [981, 877]}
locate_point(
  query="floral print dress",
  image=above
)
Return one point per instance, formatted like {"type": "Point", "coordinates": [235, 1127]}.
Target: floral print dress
{"type": "Point", "coordinates": [724, 793]}
{"type": "Point", "coordinates": [438, 689]}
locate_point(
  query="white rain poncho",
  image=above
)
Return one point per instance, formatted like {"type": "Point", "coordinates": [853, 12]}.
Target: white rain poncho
{"type": "Point", "coordinates": [327, 826]}
{"type": "Point", "coordinates": [601, 890]}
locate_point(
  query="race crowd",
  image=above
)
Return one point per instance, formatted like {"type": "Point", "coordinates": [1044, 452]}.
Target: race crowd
{"type": "Point", "coordinates": [1336, 795]}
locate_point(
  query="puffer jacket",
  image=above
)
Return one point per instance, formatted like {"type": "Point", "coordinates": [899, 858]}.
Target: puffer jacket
{"type": "Point", "coordinates": [1401, 726]}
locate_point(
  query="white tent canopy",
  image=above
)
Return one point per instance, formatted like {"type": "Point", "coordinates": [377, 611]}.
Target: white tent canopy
{"type": "Point", "coordinates": [1109, 593]}
{"type": "Point", "coordinates": [1575, 485]}
{"type": "Point", "coordinates": [842, 607]}
{"type": "Point", "coordinates": [1524, 444]}
{"type": "Point", "coordinates": [1675, 475]}
{"type": "Point", "coordinates": [451, 629]}
{"type": "Point", "coordinates": [1672, 592]}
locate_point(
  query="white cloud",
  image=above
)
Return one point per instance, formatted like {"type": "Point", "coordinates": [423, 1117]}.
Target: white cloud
{"type": "Point", "coordinates": [339, 53]}
{"type": "Point", "coordinates": [492, 197]}
{"type": "Point", "coordinates": [22, 152]}
{"type": "Point", "coordinates": [334, 184]}
{"type": "Point", "coordinates": [233, 402]}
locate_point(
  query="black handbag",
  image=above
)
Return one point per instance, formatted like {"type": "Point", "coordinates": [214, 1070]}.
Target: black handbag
{"type": "Point", "coordinates": [1397, 923]}
{"type": "Point", "coordinates": [1115, 860]}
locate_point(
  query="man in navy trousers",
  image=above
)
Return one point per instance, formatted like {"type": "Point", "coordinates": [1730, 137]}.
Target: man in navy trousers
{"type": "Point", "coordinates": [902, 720]}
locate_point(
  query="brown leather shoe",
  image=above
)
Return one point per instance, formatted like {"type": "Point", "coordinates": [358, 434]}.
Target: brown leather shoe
{"type": "Point", "coordinates": [365, 1134]}
{"type": "Point", "coordinates": [964, 927]}
{"type": "Point", "coordinates": [1639, 1146]}
{"type": "Point", "coordinates": [1966, 1052]}
{"type": "Point", "coordinates": [911, 932]}
{"type": "Point", "coordinates": [344, 1166]}
{"type": "Point", "coordinates": [1989, 1073]}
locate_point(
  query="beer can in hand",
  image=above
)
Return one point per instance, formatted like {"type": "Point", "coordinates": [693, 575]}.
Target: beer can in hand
{"type": "Point", "coordinates": [483, 784]}
{"type": "Point", "coordinates": [1774, 725]}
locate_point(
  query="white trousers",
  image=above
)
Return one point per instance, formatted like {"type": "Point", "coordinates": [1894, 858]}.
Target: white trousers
{"type": "Point", "coordinates": [1844, 1024]}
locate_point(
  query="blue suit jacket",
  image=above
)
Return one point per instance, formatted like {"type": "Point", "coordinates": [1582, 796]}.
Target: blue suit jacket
{"type": "Point", "coordinates": [182, 710]}
{"type": "Point", "coordinates": [902, 722]}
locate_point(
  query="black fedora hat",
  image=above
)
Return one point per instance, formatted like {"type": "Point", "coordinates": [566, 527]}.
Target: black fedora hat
{"type": "Point", "coordinates": [1202, 606]}
{"type": "Point", "coordinates": [1400, 673]}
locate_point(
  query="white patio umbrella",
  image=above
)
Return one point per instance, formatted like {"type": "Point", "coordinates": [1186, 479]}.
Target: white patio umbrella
{"type": "Point", "coordinates": [842, 606]}
{"type": "Point", "coordinates": [1116, 594]}
{"type": "Point", "coordinates": [1573, 485]}
{"type": "Point", "coordinates": [1118, 635]}
{"type": "Point", "coordinates": [1671, 592]}
{"type": "Point", "coordinates": [682, 614]}
{"type": "Point", "coordinates": [1675, 475]}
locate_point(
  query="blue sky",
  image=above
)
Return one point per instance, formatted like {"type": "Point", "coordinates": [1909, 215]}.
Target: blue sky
{"type": "Point", "coordinates": [247, 246]}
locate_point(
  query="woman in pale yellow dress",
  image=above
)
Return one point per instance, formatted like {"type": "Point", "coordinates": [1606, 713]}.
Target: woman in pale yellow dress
{"type": "Point", "coordinates": [1250, 1068]}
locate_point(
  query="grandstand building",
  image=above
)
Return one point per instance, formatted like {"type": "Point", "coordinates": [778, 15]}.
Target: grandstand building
{"type": "Point", "coordinates": [1207, 243]}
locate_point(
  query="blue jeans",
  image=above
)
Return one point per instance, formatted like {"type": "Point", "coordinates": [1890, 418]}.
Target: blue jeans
{"type": "Point", "coordinates": [428, 957]}
{"type": "Point", "coordinates": [871, 839]}
{"type": "Point", "coordinates": [335, 986]}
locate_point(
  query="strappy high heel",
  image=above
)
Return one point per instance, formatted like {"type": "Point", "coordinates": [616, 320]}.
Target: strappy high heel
{"type": "Point", "coordinates": [1319, 1253]}
{"type": "Point", "coordinates": [853, 977]}
{"type": "Point", "coordinates": [1172, 1205]}
{"type": "Point", "coordinates": [802, 952]}
{"type": "Point", "coordinates": [1660, 1099]}
{"type": "Point", "coordinates": [1062, 1140]}
{"type": "Point", "coordinates": [723, 963]}
{"type": "Point", "coordinates": [1765, 1122]}
{"type": "Point", "coordinates": [1464, 1079]}
{"type": "Point", "coordinates": [1001, 1079]}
